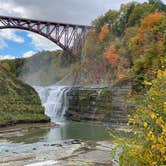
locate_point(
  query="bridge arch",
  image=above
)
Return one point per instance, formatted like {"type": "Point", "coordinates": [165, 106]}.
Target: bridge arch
{"type": "Point", "coordinates": [41, 34]}
{"type": "Point", "coordinates": [69, 37]}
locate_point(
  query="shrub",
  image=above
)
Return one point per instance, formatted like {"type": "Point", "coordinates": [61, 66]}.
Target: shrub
{"type": "Point", "coordinates": [148, 146]}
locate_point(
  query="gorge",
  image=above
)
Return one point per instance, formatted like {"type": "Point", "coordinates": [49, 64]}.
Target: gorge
{"type": "Point", "coordinates": [105, 106]}
{"type": "Point", "coordinates": [67, 139]}
{"type": "Point", "coordinates": [89, 130]}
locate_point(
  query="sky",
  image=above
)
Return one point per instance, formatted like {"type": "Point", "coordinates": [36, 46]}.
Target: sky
{"type": "Point", "coordinates": [17, 43]}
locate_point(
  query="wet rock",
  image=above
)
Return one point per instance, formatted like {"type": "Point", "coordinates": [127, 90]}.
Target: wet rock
{"type": "Point", "coordinates": [90, 104]}
{"type": "Point", "coordinates": [53, 144]}
{"type": "Point", "coordinates": [86, 153]}
{"type": "Point", "coordinates": [102, 104]}
{"type": "Point", "coordinates": [22, 129]}
{"type": "Point", "coordinates": [45, 144]}
{"type": "Point", "coordinates": [59, 145]}
{"type": "Point", "coordinates": [76, 141]}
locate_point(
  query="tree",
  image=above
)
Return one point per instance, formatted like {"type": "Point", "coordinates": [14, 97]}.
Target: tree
{"type": "Point", "coordinates": [158, 4]}
{"type": "Point", "coordinates": [139, 12]}
{"type": "Point", "coordinates": [111, 55]}
{"type": "Point", "coordinates": [123, 17]}
{"type": "Point", "coordinates": [148, 146]}
{"type": "Point", "coordinates": [103, 33]}
{"type": "Point", "coordinates": [147, 47]}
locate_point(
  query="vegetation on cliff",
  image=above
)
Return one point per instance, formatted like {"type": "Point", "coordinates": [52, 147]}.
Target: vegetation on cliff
{"type": "Point", "coordinates": [43, 68]}
{"type": "Point", "coordinates": [148, 146]}
{"type": "Point", "coordinates": [126, 44]}
{"type": "Point", "coordinates": [19, 102]}
{"type": "Point", "coordinates": [131, 44]}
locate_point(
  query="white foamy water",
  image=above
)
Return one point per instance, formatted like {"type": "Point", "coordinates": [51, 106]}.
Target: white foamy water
{"type": "Point", "coordinates": [54, 100]}
{"type": "Point", "coordinates": [43, 163]}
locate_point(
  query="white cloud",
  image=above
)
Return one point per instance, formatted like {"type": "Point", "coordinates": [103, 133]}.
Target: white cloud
{"type": "Point", "coordinates": [25, 55]}
{"type": "Point", "coordinates": [73, 11]}
{"type": "Point", "coordinates": [2, 57]}
{"type": "Point", "coordinates": [9, 8]}
{"type": "Point", "coordinates": [9, 34]}
{"type": "Point", "coordinates": [42, 43]}
{"type": "Point", "coordinates": [28, 54]}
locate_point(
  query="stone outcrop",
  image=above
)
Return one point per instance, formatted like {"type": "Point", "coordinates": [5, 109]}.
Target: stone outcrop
{"type": "Point", "coordinates": [92, 104]}
{"type": "Point", "coordinates": [120, 105]}
{"type": "Point", "coordinates": [108, 104]}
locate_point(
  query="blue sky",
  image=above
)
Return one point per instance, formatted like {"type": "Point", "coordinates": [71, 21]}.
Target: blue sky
{"type": "Point", "coordinates": [18, 49]}
{"type": "Point", "coordinates": [17, 43]}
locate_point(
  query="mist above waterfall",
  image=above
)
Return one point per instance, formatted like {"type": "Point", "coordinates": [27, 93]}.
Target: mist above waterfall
{"type": "Point", "coordinates": [46, 68]}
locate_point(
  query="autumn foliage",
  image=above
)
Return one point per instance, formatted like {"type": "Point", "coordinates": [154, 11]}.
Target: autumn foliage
{"type": "Point", "coordinates": [148, 25]}
{"type": "Point", "coordinates": [150, 116]}
{"type": "Point", "coordinates": [111, 55]}
{"type": "Point", "coordinates": [150, 21]}
{"type": "Point", "coordinates": [103, 33]}
{"type": "Point", "coordinates": [132, 47]}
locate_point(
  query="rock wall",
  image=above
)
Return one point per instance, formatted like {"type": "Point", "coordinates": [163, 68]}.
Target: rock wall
{"type": "Point", "coordinates": [120, 106]}
{"type": "Point", "coordinates": [89, 103]}
{"type": "Point", "coordinates": [108, 104]}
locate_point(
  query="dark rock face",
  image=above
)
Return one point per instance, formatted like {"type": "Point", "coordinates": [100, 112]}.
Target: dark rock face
{"type": "Point", "coordinates": [92, 104]}
{"type": "Point", "coordinates": [120, 106]}
{"type": "Point", "coordinates": [108, 104]}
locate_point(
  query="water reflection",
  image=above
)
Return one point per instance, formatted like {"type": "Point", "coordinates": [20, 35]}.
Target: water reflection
{"type": "Point", "coordinates": [66, 130]}
{"type": "Point", "coordinates": [32, 136]}
{"type": "Point", "coordinates": [37, 137]}
{"type": "Point", "coordinates": [78, 130]}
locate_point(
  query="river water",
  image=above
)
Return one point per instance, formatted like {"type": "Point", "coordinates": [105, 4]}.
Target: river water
{"type": "Point", "coordinates": [54, 99]}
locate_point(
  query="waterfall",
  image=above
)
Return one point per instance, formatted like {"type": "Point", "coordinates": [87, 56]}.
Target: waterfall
{"type": "Point", "coordinates": [54, 99]}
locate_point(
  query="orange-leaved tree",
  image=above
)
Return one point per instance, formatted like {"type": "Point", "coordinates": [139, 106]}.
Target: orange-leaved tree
{"type": "Point", "coordinates": [146, 47]}
{"type": "Point", "coordinates": [149, 25]}
{"type": "Point", "coordinates": [150, 21]}
{"type": "Point", "coordinates": [103, 33]}
{"type": "Point", "coordinates": [111, 55]}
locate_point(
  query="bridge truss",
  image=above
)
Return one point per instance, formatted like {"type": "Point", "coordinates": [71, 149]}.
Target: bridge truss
{"type": "Point", "coordinates": [69, 37]}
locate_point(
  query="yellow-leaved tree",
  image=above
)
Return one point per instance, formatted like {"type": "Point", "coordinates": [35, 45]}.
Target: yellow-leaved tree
{"type": "Point", "coordinates": [148, 146]}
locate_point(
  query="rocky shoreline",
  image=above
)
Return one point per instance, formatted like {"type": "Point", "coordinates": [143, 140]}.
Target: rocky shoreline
{"type": "Point", "coordinates": [68, 153]}
{"type": "Point", "coordinates": [71, 152]}
{"type": "Point", "coordinates": [16, 122]}
{"type": "Point", "coordinates": [21, 129]}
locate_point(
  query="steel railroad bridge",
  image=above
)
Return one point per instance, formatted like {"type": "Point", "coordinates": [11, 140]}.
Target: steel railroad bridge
{"type": "Point", "coordinates": [69, 37]}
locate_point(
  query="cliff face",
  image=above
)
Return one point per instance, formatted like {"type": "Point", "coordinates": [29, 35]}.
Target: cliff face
{"type": "Point", "coordinates": [18, 101]}
{"type": "Point", "coordinates": [92, 104]}
{"type": "Point", "coordinates": [108, 104]}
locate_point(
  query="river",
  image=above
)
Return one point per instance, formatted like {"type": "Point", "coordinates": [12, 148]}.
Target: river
{"type": "Point", "coordinates": [54, 99]}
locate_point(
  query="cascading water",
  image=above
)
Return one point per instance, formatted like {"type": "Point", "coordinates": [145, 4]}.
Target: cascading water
{"type": "Point", "coordinates": [54, 100]}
